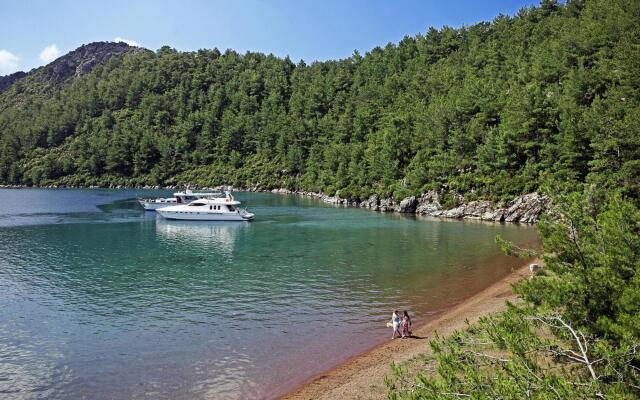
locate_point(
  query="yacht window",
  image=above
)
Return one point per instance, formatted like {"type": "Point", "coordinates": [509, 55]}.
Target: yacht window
{"type": "Point", "coordinates": [199, 203]}
{"type": "Point", "coordinates": [210, 207]}
{"type": "Point", "coordinates": [231, 208]}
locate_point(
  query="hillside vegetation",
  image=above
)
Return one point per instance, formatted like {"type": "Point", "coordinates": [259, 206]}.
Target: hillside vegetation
{"type": "Point", "coordinates": [490, 110]}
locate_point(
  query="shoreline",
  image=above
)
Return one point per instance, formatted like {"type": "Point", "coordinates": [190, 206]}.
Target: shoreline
{"type": "Point", "coordinates": [362, 376]}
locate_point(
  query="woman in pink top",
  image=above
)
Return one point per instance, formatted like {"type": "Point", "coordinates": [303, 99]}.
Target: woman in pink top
{"type": "Point", "coordinates": [406, 325]}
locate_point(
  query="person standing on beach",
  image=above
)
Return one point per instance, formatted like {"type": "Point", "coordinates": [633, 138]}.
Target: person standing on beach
{"type": "Point", "coordinates": [395, 320]}
{"type": "Point", "coordinates": [406, 325]}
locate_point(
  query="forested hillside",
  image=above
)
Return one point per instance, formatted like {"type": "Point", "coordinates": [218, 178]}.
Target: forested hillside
{"type": "Point", "coordinates": [490, 111]}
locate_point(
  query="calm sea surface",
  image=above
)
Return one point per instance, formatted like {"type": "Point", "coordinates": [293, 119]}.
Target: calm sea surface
{"type": "Point", "coordinates": [100, 300]}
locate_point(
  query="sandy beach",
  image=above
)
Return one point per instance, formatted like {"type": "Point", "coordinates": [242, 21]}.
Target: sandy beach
{"type": "Point", "coordinates": [362, 377]}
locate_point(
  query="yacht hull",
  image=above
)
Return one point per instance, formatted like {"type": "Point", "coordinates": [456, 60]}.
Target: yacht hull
{"type": "Point", "coordinates": [203, 216]}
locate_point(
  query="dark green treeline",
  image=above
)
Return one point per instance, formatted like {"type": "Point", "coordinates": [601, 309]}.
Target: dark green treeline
{"type": "Point", "coordinates": [491, 110]}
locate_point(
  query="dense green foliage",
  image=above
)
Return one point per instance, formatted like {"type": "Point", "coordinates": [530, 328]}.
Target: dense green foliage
{"type": "Point", "coordinates": [577, 335]}
{"type": "Point", "coordinates": [490, 110]}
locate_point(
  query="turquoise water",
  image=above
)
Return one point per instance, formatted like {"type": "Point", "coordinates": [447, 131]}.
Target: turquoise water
{"type": "Point", "coordinates": [101, 300]}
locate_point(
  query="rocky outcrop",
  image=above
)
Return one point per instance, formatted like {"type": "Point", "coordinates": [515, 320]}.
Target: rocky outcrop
{"type": "Point", "coordinates": [429, 203]}
{"type": "Point", "coordinates": [373, 202]}
{"type": "Point", "coordinates": [78, 62]}
{"type": "Point", "coordinates": [82, 60]}
{"type": "Point", "coordinates": [408, 205]}
{"type": "Point", "coordinates": [525, 209]}
{"type": "Point", "coordinates": [483, 210]}
{"type": "Point", "coordinates": [386, 205]}
{"type": "Point", "coordinates": [454, 213]}
{"type": "Point", "coordinates": [7, 80]}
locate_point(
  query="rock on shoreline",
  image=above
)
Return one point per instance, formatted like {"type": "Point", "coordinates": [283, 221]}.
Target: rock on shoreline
{"type": "Point", "coordinates": [524, 209]}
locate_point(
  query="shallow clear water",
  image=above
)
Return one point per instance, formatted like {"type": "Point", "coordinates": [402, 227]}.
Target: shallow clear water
{"type": "Point", "coordinates": [101, 300]}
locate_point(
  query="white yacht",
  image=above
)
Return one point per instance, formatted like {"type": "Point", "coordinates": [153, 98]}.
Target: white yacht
{"type": "Point", "coordinates": [208, 209]}
{"type": "Point", "coordinates": [178, 198]}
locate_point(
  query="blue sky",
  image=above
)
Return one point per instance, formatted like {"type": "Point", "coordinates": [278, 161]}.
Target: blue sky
{"type": "Point", "coordinates": [34, 33]}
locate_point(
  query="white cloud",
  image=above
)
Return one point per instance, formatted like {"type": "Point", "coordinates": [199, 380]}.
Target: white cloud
{"type": "Point", "coordinates": [49, 53]}
{"type": "Point", "coordinates": [8, 62]}
{"type": "Point", "coordinates": [127, 41]}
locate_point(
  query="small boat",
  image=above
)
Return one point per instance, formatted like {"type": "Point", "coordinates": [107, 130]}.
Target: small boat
{"type": "Point", "coordinates": [208, 209]}
{"type": "Point", "coordinates": [178, 198]}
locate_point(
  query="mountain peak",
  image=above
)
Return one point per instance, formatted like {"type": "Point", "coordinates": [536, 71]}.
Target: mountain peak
{"type": "Point", "coordinates": [83, 59]}
{"type": "Point", "coordinates": [77, 62]}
